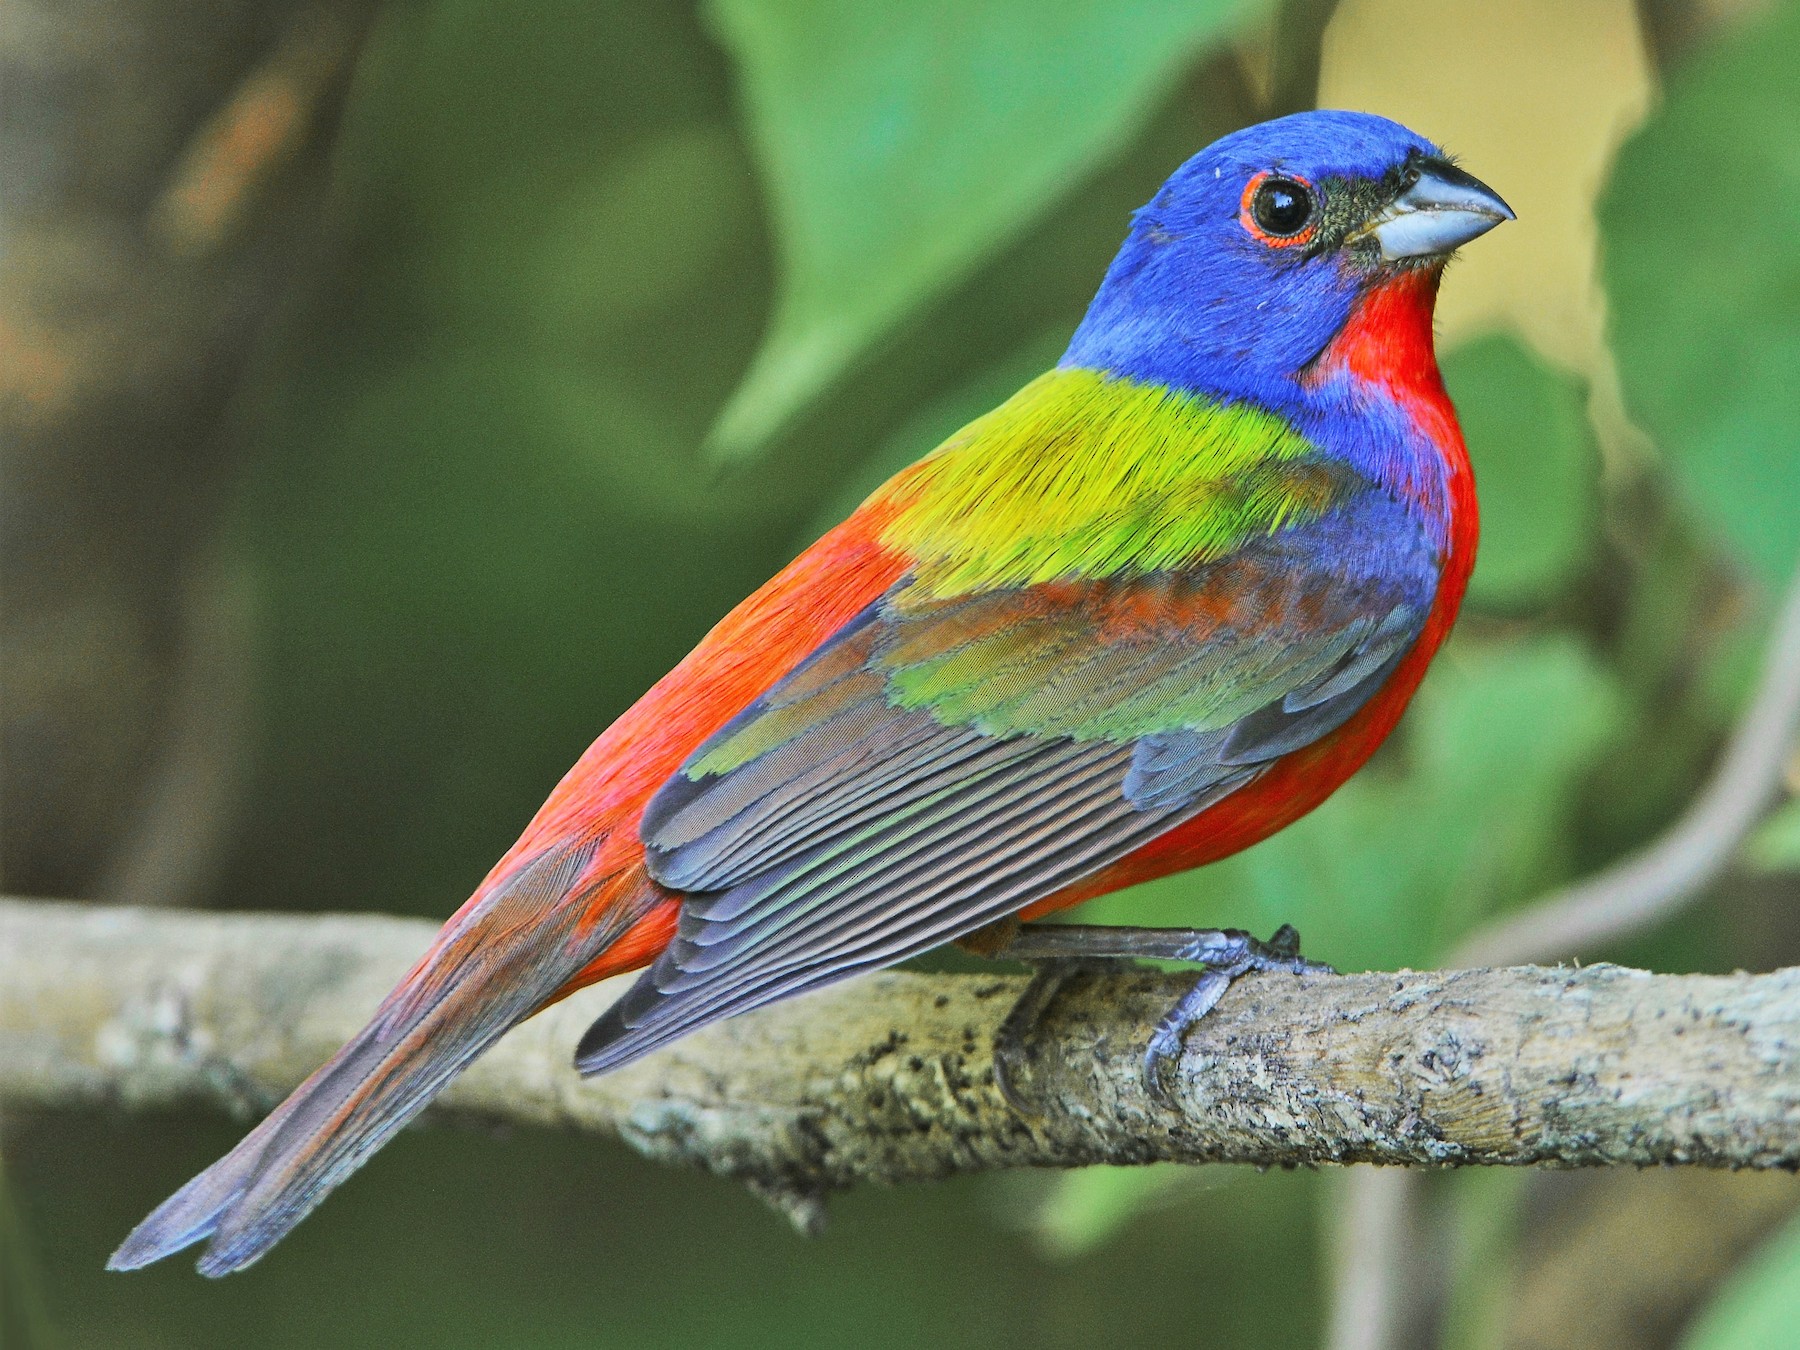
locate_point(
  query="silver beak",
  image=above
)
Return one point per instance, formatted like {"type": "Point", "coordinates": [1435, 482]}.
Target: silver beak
{"type": "Point", "coordinates": [1442, 210]}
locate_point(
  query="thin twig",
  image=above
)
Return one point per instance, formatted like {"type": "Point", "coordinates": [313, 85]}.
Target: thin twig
{"type": "Point", "coordinates": [173, 845]}
{"type": "Point", "coordinates": [1369, 1259]}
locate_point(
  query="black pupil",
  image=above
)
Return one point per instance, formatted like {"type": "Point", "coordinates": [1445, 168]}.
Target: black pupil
{"type": "Point", "coordinates": [1282, 207]}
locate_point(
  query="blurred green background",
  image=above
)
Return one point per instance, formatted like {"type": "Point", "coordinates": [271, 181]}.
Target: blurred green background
{"type": "Point", "coordinates": [618, 304]}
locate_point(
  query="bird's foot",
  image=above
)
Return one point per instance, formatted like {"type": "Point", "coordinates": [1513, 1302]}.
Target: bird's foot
{"type": "Point", "coordinates": [1062, 950]}
{"type": "Point", "coordinates": [1228, 954]}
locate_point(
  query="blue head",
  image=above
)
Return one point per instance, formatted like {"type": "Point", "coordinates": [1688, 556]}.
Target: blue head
{"type": "Point", "coordinates": [1255, 253]}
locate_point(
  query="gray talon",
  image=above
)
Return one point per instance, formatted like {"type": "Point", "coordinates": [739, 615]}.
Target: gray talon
{"type": "Point", "coordinates": [1060, 950]}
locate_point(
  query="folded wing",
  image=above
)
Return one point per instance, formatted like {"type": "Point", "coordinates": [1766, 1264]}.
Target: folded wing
{"type": "Point", "coordinates": [942, 762]}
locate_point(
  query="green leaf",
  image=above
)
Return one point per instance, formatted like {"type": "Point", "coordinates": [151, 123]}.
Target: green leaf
{"type": "Point", "coordinates": [615, 246]}
{"type": "Point", "coordinates": [1759, 1306]}
{"type": "Point", "coordinates": [1704, 282]}
{"type": "Point", "coordinates": [1775, 847]}
{"type": "Point", "coordinates": [901, 144]}
{"type": "Point", "coordinates": [1071, 1214]}
{"type": "Point", "coordinates": [1536, 468]}
{"type": "Point", "coordinates": [469, 566]}
{"type": "Point", "coordinates": [1469, 814]}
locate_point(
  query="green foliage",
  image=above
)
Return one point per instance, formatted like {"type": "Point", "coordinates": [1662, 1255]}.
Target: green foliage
{"type": "Point", "coordinates": [478, 472]}
{"type": "Point", "coordinates": [1081, 1210]}
{"type": "Point", "coordinates": [483, 524]}
{"type": "Point", "coordinates": [25, 1320]}
{"type": "Point", "coordinates": [550, 1241]}
{"type": "Point", "coordinates": [1704, 280]}
{"type": "Point", "coordinates": [902, 144]}
{"type": "Point", "coordinates": [1536, 469]}
{"type": "Point", "coordinates": [583, 161]}
{"type": "Point", "coordinates": [1776, 846]}
{"type": "Point", "coordinates": [1759, 1307]}
{"type": "Point", "coordinates": [1486, 1213]}
{"type": "Point", "coordinates": [670, 202]}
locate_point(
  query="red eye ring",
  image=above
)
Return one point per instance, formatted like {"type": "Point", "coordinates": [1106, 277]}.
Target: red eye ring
{"type": "Point", "coordinates": [1247, 210]}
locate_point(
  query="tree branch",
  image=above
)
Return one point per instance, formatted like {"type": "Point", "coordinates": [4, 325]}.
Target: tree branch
{"type": "Point", "coordinates": [890, 1078]}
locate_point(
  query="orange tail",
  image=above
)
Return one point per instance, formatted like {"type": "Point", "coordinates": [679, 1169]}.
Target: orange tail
{"type": "Point", "coordinates": [500, 960]}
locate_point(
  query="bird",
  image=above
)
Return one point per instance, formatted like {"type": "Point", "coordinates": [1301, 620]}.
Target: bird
{"type": "Point", "coordinates": [1156, 606]}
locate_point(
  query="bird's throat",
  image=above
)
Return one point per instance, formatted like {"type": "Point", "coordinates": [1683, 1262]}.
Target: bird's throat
{"type": "Point", "coordinates": [1387, 340]}
{"type": "Point", "coordinates": [1388, 343]}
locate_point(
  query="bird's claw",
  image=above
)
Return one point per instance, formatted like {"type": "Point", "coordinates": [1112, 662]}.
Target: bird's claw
{"type": "Point", "coordinates": [1057, 951]}
{"type": "Point", "coordinates": [1166, 1041]}
{"type": "Point", "coordinates": [1284, 941]}
{"type": "Point", "coordinates": [1280, 953]}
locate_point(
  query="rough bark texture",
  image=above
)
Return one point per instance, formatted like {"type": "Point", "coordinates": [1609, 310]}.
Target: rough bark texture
{"type": "Point", "coordinates": [890, 1077]}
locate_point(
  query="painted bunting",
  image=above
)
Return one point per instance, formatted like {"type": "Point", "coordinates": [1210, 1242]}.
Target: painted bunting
{"type": "Point", "coordinates": [1153, 608]}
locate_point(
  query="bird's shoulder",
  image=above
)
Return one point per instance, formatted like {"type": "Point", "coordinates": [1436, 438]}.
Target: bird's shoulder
{"type": "Point", "coordinates": [1099, 476]}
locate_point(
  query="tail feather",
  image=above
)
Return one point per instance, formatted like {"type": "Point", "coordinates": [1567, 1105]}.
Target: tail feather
{"type": "Point", "coordinates": [486, 974]}
{"type": "Point", "coordinates": [196, 1211]}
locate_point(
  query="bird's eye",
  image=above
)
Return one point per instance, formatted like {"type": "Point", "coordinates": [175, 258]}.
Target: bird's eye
{"type": "Point", "coordinates": [1281, 207]}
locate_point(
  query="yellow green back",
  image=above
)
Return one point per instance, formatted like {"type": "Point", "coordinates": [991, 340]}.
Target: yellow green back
{"type": "Point", "coordinates": [1085, 475]}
